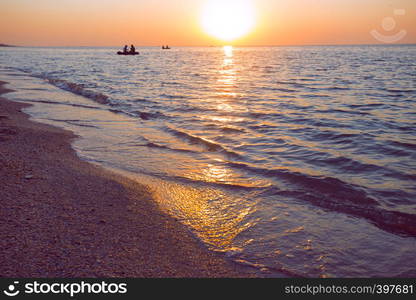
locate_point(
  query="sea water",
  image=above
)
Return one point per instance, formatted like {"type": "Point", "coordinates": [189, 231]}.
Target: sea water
{"type": "Point", "coordinates": [291, 160]}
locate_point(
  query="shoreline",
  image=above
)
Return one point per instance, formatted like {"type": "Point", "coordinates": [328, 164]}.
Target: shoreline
{"type": "Point", "coordinates": [64, 217]}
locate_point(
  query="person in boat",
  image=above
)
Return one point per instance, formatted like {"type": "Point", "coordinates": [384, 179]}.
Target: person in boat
{"type": "Point", "coordinates": [125, 49]}
{"type": "Point", "coordinates": [132, 49]}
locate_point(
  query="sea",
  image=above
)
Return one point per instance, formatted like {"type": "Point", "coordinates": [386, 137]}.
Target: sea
{"type": "Point", "coordinates": [291, 161]}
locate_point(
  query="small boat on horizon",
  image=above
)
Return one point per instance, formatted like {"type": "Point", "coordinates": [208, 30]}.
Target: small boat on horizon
{"type": "Point", "coordinates": [165, 47]}
{"type": "Point", "coordinates": [127, 53]}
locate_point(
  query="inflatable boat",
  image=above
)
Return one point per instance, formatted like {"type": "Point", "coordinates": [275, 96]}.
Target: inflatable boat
{"type": "Point", "coordinates": [127, 53]}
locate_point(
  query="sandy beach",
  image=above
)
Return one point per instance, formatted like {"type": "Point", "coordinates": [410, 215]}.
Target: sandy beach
{"type": "Point", "coordinates": [63, 217]}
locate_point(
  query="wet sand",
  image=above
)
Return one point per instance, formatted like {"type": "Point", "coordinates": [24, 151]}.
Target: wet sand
{"type": "Point", "coordinates": [63, 217]}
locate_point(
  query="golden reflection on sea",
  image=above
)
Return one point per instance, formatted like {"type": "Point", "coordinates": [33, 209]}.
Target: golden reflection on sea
{"type": "Point", "coordinates": [216, 222]}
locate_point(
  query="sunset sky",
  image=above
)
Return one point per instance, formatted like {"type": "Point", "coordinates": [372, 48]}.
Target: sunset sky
{"type": "Point", "coordinates": [180, 22]}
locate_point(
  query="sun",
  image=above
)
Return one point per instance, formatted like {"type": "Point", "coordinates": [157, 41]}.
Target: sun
{"type": "Point", "coordinates": [228, 20]}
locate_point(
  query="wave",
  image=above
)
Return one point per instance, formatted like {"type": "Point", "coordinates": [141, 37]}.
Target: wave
{"type": "Point", "coordinates": [175, 96]}
{"type": "Point", "coordinates": [336, 195]}
{"type": "Point", "coordinates": [207, 144]}
{"type": "Point", "coordinates": [412, 91]}
{"type": "Point", "coordinates": [225, 128]}
{"type": "Point", "coordinates": [79, 89]}
{"type": "Point", "coordinates": [228, 129]}
{"type": "Point", "coordinates": [342, 111]}
{"type": "Point", "coordinates": [275, 89]}
{"type": "Point", "coordinates": [74, 122]}
{"type": "Point", "coordinates": [224, 185]}
{"type": "Point", "coordinates": [158, 146]}
{"type": "Point", "coordinates": [149, 115]}
{"type": "Point", "coordinates": [395, 150]}
{"type": "Point", "coordinates": [292, 83]}
{"type": "Point", "coordinates": [403, 145]}
{"type": "Point", "coordinates": [327, 135]}
{"type": "Point", "coordinates": [145, 101]}
{"type": "Point", "coordinates": [369, 106]}
{"type": "Point", "coordinates": [61, 103]}
{"type": "Point", "coordinates": [347, 164]}
{"type": "Point", "coordinates": [76, 88]}
{"type": "Point", "coordinates": [316, 95]}
{"type": "Point", "coordinates": [335, 88]}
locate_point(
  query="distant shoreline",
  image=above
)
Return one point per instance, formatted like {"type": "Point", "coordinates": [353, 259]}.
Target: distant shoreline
{"type": "Point", "coordinates": [5, 45]}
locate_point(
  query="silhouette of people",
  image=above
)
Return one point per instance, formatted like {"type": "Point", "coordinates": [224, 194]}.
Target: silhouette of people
{"type": "Point", "coordinates": [125, 49]}
{"type": "Point", "coordinates": [132, 49]}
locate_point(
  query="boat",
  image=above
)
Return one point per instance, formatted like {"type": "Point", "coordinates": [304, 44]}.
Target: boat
{"type": "Point", "coordinates": [127, 53]}
{"type": "Point", "coordinates": [165, 48]}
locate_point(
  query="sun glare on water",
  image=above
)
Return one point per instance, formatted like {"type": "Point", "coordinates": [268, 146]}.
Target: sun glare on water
{"type": "Point", "coordinates": [228, 20]}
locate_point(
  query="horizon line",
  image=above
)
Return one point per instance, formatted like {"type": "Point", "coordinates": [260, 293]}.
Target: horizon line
{"type": "Point", "coordinates": [208, 46]}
